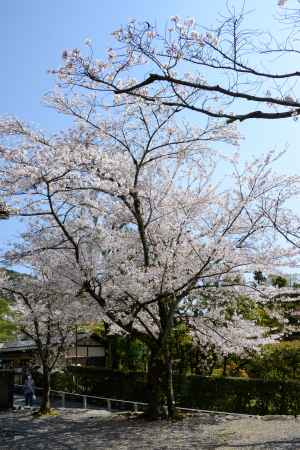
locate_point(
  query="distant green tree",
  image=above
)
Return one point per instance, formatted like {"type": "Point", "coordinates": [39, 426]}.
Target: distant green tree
{"type": "Point", "coordinates": [279, 281]}
{"type": "Point", "coordinates": [7, 325]}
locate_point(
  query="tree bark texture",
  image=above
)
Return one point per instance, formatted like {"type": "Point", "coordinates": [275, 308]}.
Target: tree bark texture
{"type": "Point", "coordinates": [45, 403]}
{"type": "Point", "coordinates": [160, 386]}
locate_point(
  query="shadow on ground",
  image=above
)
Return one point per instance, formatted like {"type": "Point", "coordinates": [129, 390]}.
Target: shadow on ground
{"type": "Point", "coordinates": [90, 430]}
{"type": "Point", "coordinates": [100, 430]}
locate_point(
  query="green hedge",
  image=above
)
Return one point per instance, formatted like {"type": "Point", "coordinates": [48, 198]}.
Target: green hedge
{"type": "Point", "coordinates": [251, 396]}
{"type": "Point", "coordinates": [102, 382]}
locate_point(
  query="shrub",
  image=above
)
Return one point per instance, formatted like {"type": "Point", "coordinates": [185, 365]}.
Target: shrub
{"type": "Point", "coordinates": [241, 395]}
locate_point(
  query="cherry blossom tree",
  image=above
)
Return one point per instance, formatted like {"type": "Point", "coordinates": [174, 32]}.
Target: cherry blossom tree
{"type": "Point", "coordinates": [130, 205]}
{"type": "Point", "coordinates": [130, 209]}
{"type": "Point", "coordinates": [47, 315]}
{"type": "Point", "coordinates": [224, 72]}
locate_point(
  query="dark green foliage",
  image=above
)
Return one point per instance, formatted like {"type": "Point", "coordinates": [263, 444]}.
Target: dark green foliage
{"type": "Point", "coordinates": [127, 354]}
{"type": "Point", "coordinates": [251, 396]}
{"type": "Point", "coordinates": [102, 382]}
{"type": "Point", "coordinates": [278, 362]}
{"type": "Point", "coordinates": [279, 281]}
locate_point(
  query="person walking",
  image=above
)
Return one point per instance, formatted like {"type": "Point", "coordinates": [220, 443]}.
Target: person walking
{"type": "Point", "coordinates": [28, 390]}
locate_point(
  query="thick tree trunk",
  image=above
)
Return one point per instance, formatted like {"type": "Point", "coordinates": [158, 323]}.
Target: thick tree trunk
{"type": "Point", "coordinates": [45, 403]}
{"type": "Point", "coordinates": [160, 386]}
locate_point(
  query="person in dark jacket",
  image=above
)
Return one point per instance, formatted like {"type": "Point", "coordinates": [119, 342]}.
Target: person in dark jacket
{"type": "Point", "coordinates": [28, 390]}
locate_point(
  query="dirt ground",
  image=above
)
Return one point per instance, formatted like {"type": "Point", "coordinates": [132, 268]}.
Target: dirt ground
{"type": "Point", "coordinates": [94, 430]}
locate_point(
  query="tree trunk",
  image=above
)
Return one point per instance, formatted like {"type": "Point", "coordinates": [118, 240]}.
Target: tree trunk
{"type": "Point", "coordinates": [224, 373]}
{"type": "Point", "coordinates": [45, 403]}
{"type": "Point", "coordinates": [160, 386]}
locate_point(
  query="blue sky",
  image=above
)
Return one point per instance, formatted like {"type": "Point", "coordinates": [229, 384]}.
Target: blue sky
{"type": "Point", "coordinates": [33, 34]}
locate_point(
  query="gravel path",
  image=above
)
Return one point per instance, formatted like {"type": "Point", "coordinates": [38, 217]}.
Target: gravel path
{"type": "Point", "coordinates": [94, 430]}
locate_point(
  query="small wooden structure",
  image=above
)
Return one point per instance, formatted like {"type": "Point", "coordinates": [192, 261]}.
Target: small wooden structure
{"type": "Point", "coordinates": [88, 350]}
{"type": "Point", "coordinates": [17, 354]}
{"type": "Point", "coordinates": [6, 389]}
